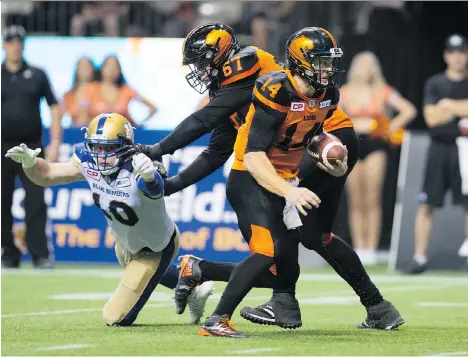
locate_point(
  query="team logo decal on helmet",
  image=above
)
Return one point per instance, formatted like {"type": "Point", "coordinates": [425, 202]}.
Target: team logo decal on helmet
{"type": "Point", "coordinates": [313, 54]}
{"type": "Point", "coordinates": [205, 50]}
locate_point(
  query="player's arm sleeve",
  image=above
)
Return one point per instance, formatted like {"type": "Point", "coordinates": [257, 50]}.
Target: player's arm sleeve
{"type": "Point", "coordinates": [47, 90]}
{"type": "Point", "coordinates": [213, 157]}
{"type": "Point", "coordinates": [227, 101]}
{"type": "Point", "coordinates": [263, 128]}
{"type": "Point", "coordinates": [153, 189]}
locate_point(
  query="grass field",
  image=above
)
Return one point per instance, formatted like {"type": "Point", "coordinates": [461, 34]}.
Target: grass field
{"type": "Point", "coordinates": [59, 313]}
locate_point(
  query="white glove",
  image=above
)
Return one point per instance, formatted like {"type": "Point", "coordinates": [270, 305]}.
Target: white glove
{"type": "Point", "coordinates": [340, 169]}
{"type": "Point", "coordinates": [143, 166]}
{"type": "Point", "coordinates": [24, 155]}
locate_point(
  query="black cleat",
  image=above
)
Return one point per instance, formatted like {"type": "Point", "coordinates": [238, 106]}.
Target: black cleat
{"type": "Point", "coordinates": [262, 314]}
{"type": "Point", "coordinates": [383, 316]}
{"type": "Point", "coordinates": [416, 268]}
{"type": "Point", "coordinates": [190, 277]}
{"type": "Point", "coordinates": [287, 311]}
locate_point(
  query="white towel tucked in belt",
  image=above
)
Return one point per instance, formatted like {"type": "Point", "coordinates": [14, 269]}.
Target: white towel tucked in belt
{"type": "Point", "coordinates": [291, 216]}
{"type": "Point", "coordinates": [462, 143]}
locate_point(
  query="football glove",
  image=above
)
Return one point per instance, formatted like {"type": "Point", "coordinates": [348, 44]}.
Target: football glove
{"type": "Point", "coordinates": [130, 149]}
{"type": "Point", "coordinates": [143, 166]}
{"type": "Point", "coordinates": [23, 155]}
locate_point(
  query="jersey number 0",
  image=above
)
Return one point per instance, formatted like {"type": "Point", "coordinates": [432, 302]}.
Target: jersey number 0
{"type": "Point", "coordinates": [131, 218]}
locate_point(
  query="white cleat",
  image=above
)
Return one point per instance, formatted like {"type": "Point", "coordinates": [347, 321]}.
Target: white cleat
{"type": "Point", "coordinates": [463, 251]}
{"type": "Point", "coordinates": [197, 300]}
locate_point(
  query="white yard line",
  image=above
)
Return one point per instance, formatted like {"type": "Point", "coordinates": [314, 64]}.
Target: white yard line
{"type": "Point", "coordinates": [52, 312]}
{"type": "Point", "coordinates": [459, 353]}
{"type": "Point", "coordinates": [63, 347]}
{"type": "Point", "coordinates": [303, 298]}
{"type": "Point", "coordinates": [331, 277]}
{"type": "Point", "coordinates": [253, 350]}
{"type": "Point", "coordinates": [442, 304]}
{"type": "Point", "coordinates": [74, 311]}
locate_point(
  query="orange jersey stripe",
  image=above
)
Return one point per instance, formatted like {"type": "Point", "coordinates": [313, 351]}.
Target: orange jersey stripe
{"type": "Point", "coordinates": [268, 102]}
{"type": "Point", "coordinates": [338, 120]}
{"type": "Point", "coordinates": [242, 75]}
{"type": "Point", "coordinates": [261, 241]}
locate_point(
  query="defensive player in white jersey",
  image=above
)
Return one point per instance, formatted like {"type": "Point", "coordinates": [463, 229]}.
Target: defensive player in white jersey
{"type": "Point", "coordinates": [130, 195]}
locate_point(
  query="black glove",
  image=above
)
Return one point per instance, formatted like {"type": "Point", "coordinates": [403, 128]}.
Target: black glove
{"type": "Point", "coordinates": [130, 148]}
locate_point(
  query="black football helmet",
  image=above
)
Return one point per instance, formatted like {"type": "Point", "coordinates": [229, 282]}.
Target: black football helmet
{"type": "Point", "coordinates": [205, 50]}
{"type": "Point", "coordinates": [312, 53]}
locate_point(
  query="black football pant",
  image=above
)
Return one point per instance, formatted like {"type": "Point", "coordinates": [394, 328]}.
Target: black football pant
{"type": "Point", "coordinates": [274, 249]}
{"type": "Point", "coordinates": [34, 205]}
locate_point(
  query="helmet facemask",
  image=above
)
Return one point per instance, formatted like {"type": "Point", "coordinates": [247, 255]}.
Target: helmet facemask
{"type": "Point", "coordinates": [103, 153]}
{"type": "Point", "coordinates": [202, 72]}
{"type": "Point", "coordinates": [325, 68]}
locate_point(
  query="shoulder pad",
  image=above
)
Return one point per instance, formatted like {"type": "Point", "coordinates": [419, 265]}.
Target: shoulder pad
{"type": "Point", "coordinates": [272, 90]}
{"type": "Point", "coordinates": [81, 154]}
{"type": "Point", "coordinates": [242, 65]}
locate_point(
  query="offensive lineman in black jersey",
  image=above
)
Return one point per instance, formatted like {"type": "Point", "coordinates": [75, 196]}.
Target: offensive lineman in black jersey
{"type": "Point", "coordinates": [219, 65]}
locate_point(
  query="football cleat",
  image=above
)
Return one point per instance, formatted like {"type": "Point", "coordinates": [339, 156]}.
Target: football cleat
{"type": "Point", "coordinates": [287, 311]}
{"type": "Point", "coordinates": [383, 316]}
{"type": "Point", "coordinates": [262, 314]}
{"type": "Point", "coordinates": [220, 326]}
{"type": "Point", "coordinates": [190, 277]}
{"type": "Point", "coordinates": [197, 300]}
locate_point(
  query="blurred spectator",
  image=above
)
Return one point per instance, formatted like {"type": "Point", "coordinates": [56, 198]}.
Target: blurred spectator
{"type": "Point", "coordinates": [183, 21]}
{"type": "Point", "coordinates": [446, 113]}
{"type": "Point", "coordinates": [368, 100]}
{"type": "Point", "coordinates": [110, 94]}
{"type": "Point", "coordinates": [99, 18]}
{"type": "Point", "coordinates": [270, 24]}
{"type": "Point", "coordinates": [23, 86]}
{"type": "Point", "coordinates": [85, 72]}
{"type": "Point", "coordinates": [16, 12]}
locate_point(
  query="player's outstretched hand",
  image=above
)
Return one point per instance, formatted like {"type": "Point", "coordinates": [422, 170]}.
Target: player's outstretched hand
{"type": "Point", "coordinates": [341, 167]}
{"type": "Point", "coordinates": [130, 149]}
{"type": "Point", "coordinates": [302, 197]}
{"type": "Point", "coordinates": [143, 166]}
{"type": "Point", "coordinates": [23, 155]}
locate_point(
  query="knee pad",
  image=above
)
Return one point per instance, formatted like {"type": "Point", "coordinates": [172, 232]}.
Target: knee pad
{"type": "Point", "coordinates": [126, 302]}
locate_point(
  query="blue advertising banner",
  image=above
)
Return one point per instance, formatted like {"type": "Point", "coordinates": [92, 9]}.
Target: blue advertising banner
{"type": "Point", "coordinates": [78, 231]}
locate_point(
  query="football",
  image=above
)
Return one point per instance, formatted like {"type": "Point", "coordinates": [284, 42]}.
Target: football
{"type": "Point", "coordinates": [326, 147]}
